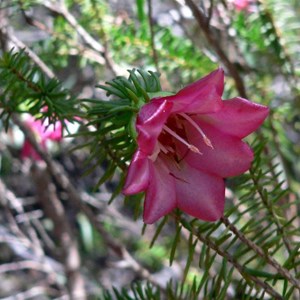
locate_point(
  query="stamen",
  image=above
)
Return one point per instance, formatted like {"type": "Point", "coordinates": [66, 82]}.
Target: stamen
{"type": "Point", "coordinates": [170, 149]}
{"type": "Point", "coordinates": [163, 148]}
{"type": "Point", "coordinates": [155, 153]}
{"type": "Point", "coordinates": [194, 124]}
{"type": "Point", "coordinates": [175, 135]}
{"type": "Point", "coordinates": [160, 147]}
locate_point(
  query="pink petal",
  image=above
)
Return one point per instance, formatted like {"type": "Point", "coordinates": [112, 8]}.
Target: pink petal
{"type": "Point", "coordinates": [160, 196]}
{"type": "Point", "coordinates": [202, 96]}
{"type": "Point", "coordinates": [230, 156]}
{"type": "Point", "coordinates": [44, 132]}
{"type": "Point", "coordinates": [241, 4]}
{"type": "Point", "coordinates": [137, 178]}
{"type": "Point", "coordinates": [35, 125]}
{"type": "Point", "coordinates": [29, 152]}
{"type": "Point", "coordinates": [238, 117]}
{"type": "Point", "coordinates": [54, 132]}
{"type": "Point", "coordinates": [199, 194]}
{"type": "Point", "coordinates": [150, 121]}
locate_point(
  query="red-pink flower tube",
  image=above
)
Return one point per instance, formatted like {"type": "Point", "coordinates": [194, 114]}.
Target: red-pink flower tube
{"type": "Point", "coordinates": [187, 144]}
{"type": "Point", "coordinates": [43, 133]}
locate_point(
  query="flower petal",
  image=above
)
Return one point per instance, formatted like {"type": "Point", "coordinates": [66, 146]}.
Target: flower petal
{"type": "Point", "coordinates": [238, 117]}
{"type": "Point", "coordinates": [199, 194]}
{"type": "Point", "coordinates": [137, 178]}
{"type": "Point", "coordinates": [229, 157]}
{"type": "Point", "coordinates": [53, 132]}
{"type": "Point", "coordinates": [160, 196]}
{"type": "Point", "coordinates": [29, 151]}
{"type": "Point", "coordinates": [202, 96]}
{"type": "Point", "coordinates": [150, 121]}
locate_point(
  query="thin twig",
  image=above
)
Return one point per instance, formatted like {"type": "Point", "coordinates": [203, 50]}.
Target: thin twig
{"type": "Point", "coordinates": [34, 292]}
{"type": "Point", "coordinates": [54, 210]}
{"type": "Point", "coordinates": [43, 234]}
{"type": "Point", "coordinates": [211, 244]}
{"type": "Point", "coordinates": [281, 270]}
{"type": "Point", "coordinates": [8, 34]}
{"type": "Point", "coordinates": [75, 48]}
{"type": "Point", "coordinates": [203, 24]}
{"type": "Point", "coordinates": [152, 37]}
{"type": "Point", "coordinates": [22, 265]}
{"type": "Point", "coordinates": [110, 211]}
{"type": "Point", "coordinates": [210, 12]}
{"type": "Point", "coordinates": [14, 202]}
{"type": "Point", "coordinates": [22, 244]}
{"type": "Point", "coordinates": [62, 180]}
{"type": "Point", "coordinates": [60, 8]}
{"type": "Point", "coordinates": [280, 228]}
{"type": "Point", "coordinates": [36, 59]}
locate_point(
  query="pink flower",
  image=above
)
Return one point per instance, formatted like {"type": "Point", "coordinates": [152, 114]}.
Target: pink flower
{"type": "Point", "coordinates": [43, 133]}
{"type": "Point", "coordinates": [242, 4]}
{"type": "Point", "coordinates": [187, 144]}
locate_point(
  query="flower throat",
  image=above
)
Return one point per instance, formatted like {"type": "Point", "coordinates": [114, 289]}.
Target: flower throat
{"type": "Point", "coordinates": [176, 136]}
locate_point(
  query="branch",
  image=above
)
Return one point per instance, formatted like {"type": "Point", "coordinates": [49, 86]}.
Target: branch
{"type": "Point", "coordinates": [62, 180]}
{"type": "Point", "coordinates": [210, 12]}
{"type": "Point", "coordinates": [32, 293]}
{"type": "Point", "coordinates": [151, 25]}
{"type": "Point", "coordinates": [90, 54]}
{"type": "Point", "coordinates": [282, 271]}
{"type": "Point", "coordinates": [208, 242]}
{"type": "Point", "coordinates": [204, 25]}
{"type": "Point", "coordinates": [60, 8]}
{"type": "Point", "coordinates": [54, 210]}
{"type": "Point", "coordinates": [28, 248]}
{"type": "Point", "coordinates": [33, 241]}
{"type": "Point", "coordinates": [23, 265]}
{"type": "Point", "coordinates": [35, 58]}
{"type": "Point", "coordinates": [6, 32]}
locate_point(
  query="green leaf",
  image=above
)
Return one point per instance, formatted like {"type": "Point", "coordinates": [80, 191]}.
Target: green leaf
{"type": "Point", "coordinates": [175, 244]}
{"type": "Point", "coordinates": [158, 230]}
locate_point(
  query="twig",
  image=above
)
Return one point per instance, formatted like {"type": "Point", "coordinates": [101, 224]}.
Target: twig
{"type": "Point", "coordinates": [76, 49]}
{"type": "Point", "coordinates": [208, 242]}
{"type": "Point", "coordinates": [120, 219]}
{"type": "Point", "coordinates": [151, 25]}
{"type": "Point", "coordinates": [204, 25]}
{"type": "Point", "coordinates": [60, 8]}
{"type": "Point", "coordinates": [38, 61]}
{"type": "Point", "coordinates": [29, 294]}
{"type": "Point", "coordinates": [54, 210]}
{"type": "Point", "coordinates": [62, 180]}
{"type": "Point", "coordinates": [21, 244]}
{"type": "Point", "coordinates": [15, 204]}
{"type": "Point", "coordinates": [4, 28]}
{"type": "Point", "coordinates": [22, 265]}
{"type": "Point", "coordinates": [190, 36]}
{"type": "Point", "coordinates": [281, 270]}
{"type": "Point", "coordinates": [280, 228]}
{"type": "Point", "coordinates": [210, 12]}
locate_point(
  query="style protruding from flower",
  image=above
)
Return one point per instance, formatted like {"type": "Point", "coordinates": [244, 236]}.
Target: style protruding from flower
{"type": "Point", "coordinates": [187, 144]}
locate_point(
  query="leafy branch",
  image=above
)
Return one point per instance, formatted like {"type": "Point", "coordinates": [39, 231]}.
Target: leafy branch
{"type": "Point", "coordinates": [225, 254]}
{"type": "Point", "coordinates": [26, 89]}
{"type": "Point", "coordinates": [110, 130]}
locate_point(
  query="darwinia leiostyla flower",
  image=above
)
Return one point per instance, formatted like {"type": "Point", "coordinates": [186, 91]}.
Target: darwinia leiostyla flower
{"type": "Point", "coordinates": [187, 144]}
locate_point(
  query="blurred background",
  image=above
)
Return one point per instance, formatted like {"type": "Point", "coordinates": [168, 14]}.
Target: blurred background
{"type": "Point", "coordinates": [59, 238]}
